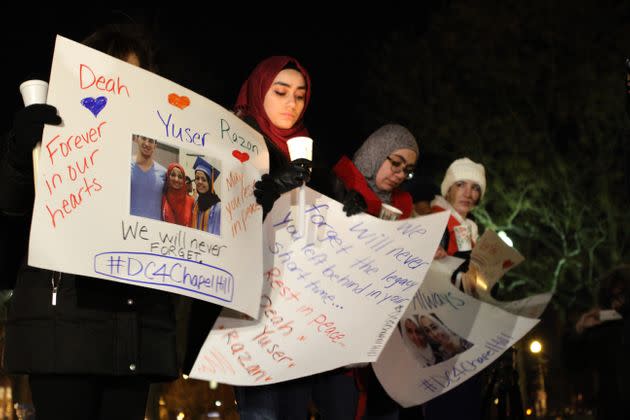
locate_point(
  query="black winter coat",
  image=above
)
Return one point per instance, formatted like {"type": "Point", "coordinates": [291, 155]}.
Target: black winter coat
{"type": "Point", "coordinates": [97, 327]}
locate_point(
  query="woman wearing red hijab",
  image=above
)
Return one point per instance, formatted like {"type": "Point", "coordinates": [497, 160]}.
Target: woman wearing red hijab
{"type": "Point", "coordinates": [273, 101]}
{"type": "Point", "coordinates": [176, 203]}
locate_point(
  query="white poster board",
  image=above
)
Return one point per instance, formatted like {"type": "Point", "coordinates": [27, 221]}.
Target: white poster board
{"type": "Point", "coordinates": [446, 337]}
{"type": "Point", "coordinates": [494, 258]}
{"type": "Point", "coordinates": [332, 294]}
{"type": "Point", "coordinates": [84, 219]}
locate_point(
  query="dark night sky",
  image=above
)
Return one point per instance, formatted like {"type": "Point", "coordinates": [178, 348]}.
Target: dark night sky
{"type": "Point", "coordinates": [213, 57]}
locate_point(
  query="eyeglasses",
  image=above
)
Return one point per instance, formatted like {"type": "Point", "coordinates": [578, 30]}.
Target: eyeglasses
{"type": "Point", "coordinates": [399, 165]}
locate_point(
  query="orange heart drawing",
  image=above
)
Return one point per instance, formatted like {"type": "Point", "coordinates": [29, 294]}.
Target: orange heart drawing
{"type": "Point", "coordinates": [507, 264]}
{"type": "Point", "coordinates": [242, 156]}
{"type": "Point", "coordinates": [180, 102]}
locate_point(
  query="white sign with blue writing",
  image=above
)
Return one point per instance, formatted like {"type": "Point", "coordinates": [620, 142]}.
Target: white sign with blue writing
{"type": "Point", "coordinates": [147, 183]}
{"type": "Point", "coordinates": [332, 295]}
{"type": "Point", "coordinates": [446, 337]}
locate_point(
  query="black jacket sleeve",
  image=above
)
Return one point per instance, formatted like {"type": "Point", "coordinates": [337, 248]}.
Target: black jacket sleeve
{"type": "Point", "coordinates": [16, 190]}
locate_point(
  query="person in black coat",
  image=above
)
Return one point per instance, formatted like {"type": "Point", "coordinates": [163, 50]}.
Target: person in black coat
{"type": "Point", "coordinates": [91, 347]}
{"type": "Point", "coordinates": [600, 339]}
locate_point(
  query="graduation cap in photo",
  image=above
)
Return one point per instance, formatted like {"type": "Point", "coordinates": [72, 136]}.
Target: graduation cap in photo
{"type": "Point", "coordinates": [211, 172]}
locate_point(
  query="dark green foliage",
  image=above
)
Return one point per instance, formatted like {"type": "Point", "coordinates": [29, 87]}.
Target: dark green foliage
{"type": "Point", "coordinates": [534, 91]}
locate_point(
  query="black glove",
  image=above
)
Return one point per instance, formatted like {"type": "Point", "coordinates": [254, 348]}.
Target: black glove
{"type": "Point", "coordinates": [266, 193]}
{"type": "Point", "coordinates": [290, 177]}
{"type": "Point", "coordinates": [271, 186]}
{"type": "Point", "coordinates": [463, 267]}
{"type": "Point", "coordinates": [27, 131]}
{"type": "Point", "coordinates": [354, 203]}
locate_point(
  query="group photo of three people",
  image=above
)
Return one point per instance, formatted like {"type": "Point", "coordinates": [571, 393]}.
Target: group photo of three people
{"type": "Point", "coordinates": [161, 189]}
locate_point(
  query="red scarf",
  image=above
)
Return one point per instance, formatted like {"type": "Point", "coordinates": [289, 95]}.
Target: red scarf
{"type": "Point", "coordinates": [252, 95]}
{"type": "Point", "coordinates": [353, 179]}
{"type": "Point", "coordinates": [176, 204]}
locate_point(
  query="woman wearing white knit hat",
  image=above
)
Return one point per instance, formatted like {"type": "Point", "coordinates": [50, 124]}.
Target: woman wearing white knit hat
{"type": "Point", "coordinates": [462, 188]}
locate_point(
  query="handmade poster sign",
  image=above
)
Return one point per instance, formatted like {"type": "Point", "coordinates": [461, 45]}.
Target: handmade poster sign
{"type": "Point", "coordinates": [494, 258]}
{"type": "Point", "coordinates": [332, 294]}
{"type": "Point", "coordinates": [446, 337]}
{"type": "Point", "coordinates": [147, 183]}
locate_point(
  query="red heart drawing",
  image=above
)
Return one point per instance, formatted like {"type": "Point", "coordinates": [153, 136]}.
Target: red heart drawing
{"type": "Point", "coordinates": [507, 264]}
{"type": "Point", "coordinates": [180, 102]}
{"type": "Point", "coordinates": [242, 156]}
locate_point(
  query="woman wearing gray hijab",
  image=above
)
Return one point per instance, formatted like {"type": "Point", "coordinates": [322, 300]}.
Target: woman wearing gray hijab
{"type": "Point", "coordinates": [381, 164]}
{"type": "Point", "coordinates": [371, 178]}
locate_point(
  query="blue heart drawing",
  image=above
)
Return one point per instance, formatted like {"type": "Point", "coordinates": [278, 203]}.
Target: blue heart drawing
{"type": "Point", "coordinates": [94, 105]}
